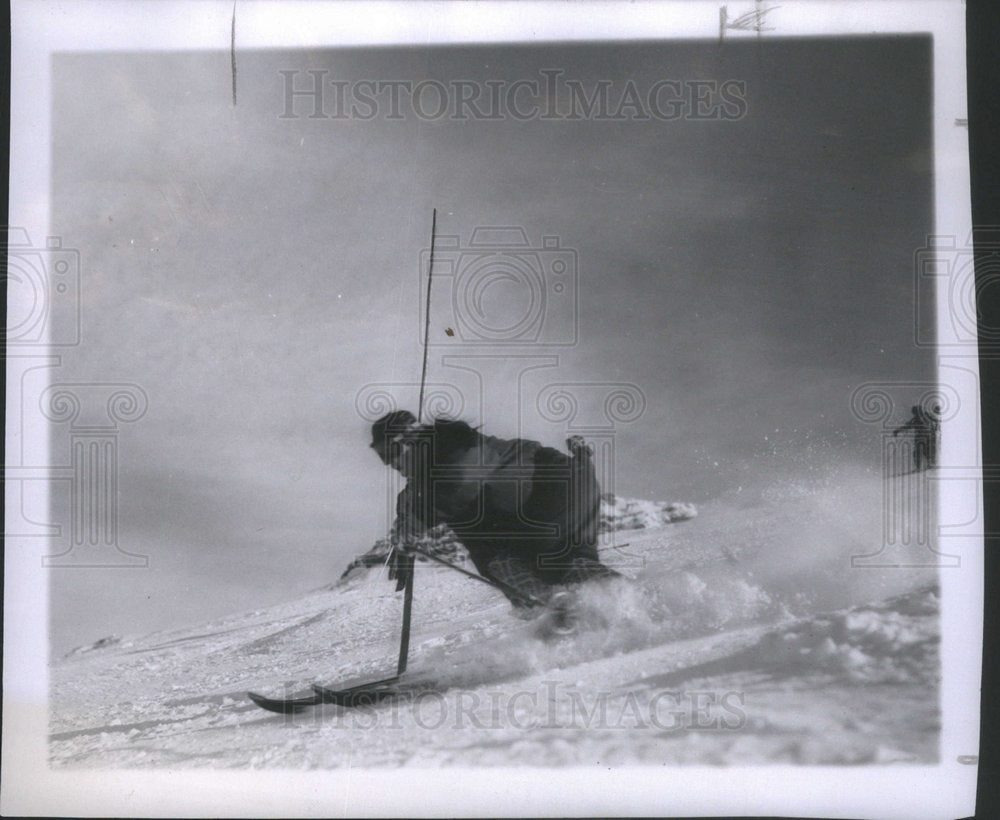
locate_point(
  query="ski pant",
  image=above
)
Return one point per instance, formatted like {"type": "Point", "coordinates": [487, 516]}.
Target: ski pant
{"type": "Point", "coordinates": [525, 588]}
{"type": "Point", "coordinates": [551, 539]}
{"type": "Point", "coordinates": [566, 501]}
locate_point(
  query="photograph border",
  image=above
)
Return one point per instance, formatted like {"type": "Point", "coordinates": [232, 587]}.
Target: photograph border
{"type": "Point", "coordinates": [40, 30]}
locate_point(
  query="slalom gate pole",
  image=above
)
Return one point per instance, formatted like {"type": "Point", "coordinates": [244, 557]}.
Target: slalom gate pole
{"type": "Point", "coordinates": [404, 638]}
{"type": "Point", "coordinates": [427, 317]}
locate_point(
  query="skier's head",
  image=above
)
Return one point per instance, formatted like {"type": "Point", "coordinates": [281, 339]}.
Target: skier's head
{"type": "Point", "coordinates": [390, 434]}
{"type": "Point", "coordinates": [393, 424]}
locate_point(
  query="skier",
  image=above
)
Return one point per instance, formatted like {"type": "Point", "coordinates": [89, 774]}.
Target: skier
{"type": "Point", "coordinates": [527, 514]}
{"type": "Point", "coordinates": [926, 426]}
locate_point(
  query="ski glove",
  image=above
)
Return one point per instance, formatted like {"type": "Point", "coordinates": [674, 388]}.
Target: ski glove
{"type": "Point", "coordinates": [400, 566]}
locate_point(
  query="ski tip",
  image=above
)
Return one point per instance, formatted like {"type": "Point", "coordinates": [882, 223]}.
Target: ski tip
{"type": "Point", "coordinates": [283, 707]}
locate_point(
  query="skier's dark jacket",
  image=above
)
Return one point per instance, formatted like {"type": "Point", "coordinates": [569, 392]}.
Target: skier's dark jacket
{"type": "Point", "coordinates": [501, 497]}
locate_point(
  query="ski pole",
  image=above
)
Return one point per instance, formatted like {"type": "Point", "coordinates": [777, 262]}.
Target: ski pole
{"type": "Point", "coordinates": [531, 599]}
{"type": "Point", "coordinates": [404, 638]}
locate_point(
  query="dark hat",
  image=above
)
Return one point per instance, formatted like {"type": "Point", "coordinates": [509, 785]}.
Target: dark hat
{"type": "Point", "coordinates": [392, 424]}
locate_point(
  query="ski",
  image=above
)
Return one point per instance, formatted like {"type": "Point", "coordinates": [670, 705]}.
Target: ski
{"type": "Point", "coordinates": [285, 706]}
{"type": "Point", "coordinates": [557, 618]}
{"type": "Point", "coordinates": [362, 694]}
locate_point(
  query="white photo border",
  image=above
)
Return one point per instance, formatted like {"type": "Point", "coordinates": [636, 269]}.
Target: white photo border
{"type": "Point", "coordinates": [41, 29]}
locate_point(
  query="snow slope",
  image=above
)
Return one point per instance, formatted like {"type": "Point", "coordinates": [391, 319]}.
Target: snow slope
{"type": "Point", "coordinates": [743, 636]}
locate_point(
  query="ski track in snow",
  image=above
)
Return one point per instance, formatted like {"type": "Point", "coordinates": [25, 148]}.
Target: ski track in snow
{"type": "Point", "coordinates": [743, 636]}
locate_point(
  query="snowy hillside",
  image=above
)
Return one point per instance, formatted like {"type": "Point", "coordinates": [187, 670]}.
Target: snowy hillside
{"type": "Point", "coordinates": [620, 513]}
{"type": "Point", "coordinates": [741, 636]}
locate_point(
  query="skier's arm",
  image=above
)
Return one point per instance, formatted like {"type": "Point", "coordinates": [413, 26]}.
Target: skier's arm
{"type": "Point", "coordinates": [408, 527]}
{"type": "Point", "coordinates": [411, 519]}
